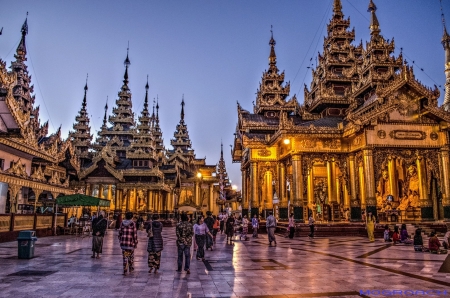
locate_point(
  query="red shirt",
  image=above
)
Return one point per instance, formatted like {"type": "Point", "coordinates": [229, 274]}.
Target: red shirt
{"type": "Point", "coordinates": [433, 243]}
{"type": "Point", "coordinates": [396, 236]}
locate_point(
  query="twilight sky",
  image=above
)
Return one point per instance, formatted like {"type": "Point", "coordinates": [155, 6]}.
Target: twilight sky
{"type": "Point", "coordinates": [213, 52]}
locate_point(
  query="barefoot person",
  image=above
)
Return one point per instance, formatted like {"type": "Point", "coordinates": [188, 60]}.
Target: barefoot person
{"type": "Point", "coordinates": [128, 241]}
{"type": "Point", "coordinates": [99, 226]}
{"type": "Point", "coordinates": [184, 232]}
{"type": "Point", "coordinates": [271, 224]}
{"type": "Point", "coordinates": [155, 245]}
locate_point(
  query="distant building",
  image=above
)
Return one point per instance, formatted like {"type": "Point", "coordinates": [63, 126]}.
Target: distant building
{"type": "Point", "coordinates": [369, 136]}
{"type": "Point", "coordinates": [127, 163]}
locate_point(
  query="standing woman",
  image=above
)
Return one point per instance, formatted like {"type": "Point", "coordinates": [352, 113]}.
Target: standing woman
{"type": "Point", "coordinates": [99, 226]}
{"type": "Point", "coordinates": [155, 244]}
{"type": "Point", "coordinates": [255, 225]}
{"type": "Point", "coordinates": [291, 226]}
{"type": "Point", "coordinates": [229, 228]}
{"type": "Point", "coordinates": [128, 241]}
{"type": "Point", "coordinates": [200, 231]}
{"type": "Point", "coordinates": [244, 228]}
{"type": "Point", "coordinates": [370, 226]}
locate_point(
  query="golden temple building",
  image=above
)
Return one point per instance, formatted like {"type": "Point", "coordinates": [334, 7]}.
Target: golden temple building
{"type": "Point", "coordinates": [368, 136]}
{"type": "Point", "coordinates": [127, 163]}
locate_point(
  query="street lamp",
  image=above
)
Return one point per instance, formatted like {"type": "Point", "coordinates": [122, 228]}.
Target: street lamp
{"type": "Point", "coordinates": [286, 141]}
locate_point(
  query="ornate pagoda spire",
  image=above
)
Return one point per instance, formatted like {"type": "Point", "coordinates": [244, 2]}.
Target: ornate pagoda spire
{"type": "Point", "coordinates": [122, 119]}
{"type": "Point", "coordinates": [21, 50]}
{"type": "Point", "coordinates": [81, 136]}
{"type": "Point", "coordinates": [223, 176]}
{"type": "Point", "coordinates": [181, 142]}
{"type": "Point", "coordinates": [271, 94]}
{"type": "Point", "coordinates": [157, 133]}
{"type": "Point", "coordinates": [337, 7]}
{"type": "Point", "coordinates": [272, 57]}
{"type": "Point", "coordinates": [374, 24]}
{"type": "Point", "coordinates": [446, 44]}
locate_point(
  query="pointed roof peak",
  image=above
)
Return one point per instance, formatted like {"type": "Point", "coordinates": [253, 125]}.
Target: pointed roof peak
{"type": "Point", "coordinates": [127, 64]}
{"type": "Point", "coordinates": [146, 85]}
{"type": "Point", "coordinates": [86, 86]}
{"type": "Point", "coordinates": [445, 36]}
{"type": "Point", "coordinates": [24, 29]}
{"type": "Point", "coordinates": [127, 60]}
{"type": "Point", "coordinates": [337, 7]}
{"type": "Point", "coordinates": [182, 108]}
{"type": "Point", "coordinates": [374, 24]}
{"type": "Point", "coordinates": [85, 92]}
{"type": "Point", "coordinates": [272, 56]}
{"type": "Point", "coordinates": [106, 110]}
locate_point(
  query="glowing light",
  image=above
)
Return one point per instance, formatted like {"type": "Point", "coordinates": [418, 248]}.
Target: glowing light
{"type": "Point", "coordinates": [287, 141]}
{"type": "Point", "coordinates": [199, 175]}
{"type": "Point", "coordinates": [234, 187]}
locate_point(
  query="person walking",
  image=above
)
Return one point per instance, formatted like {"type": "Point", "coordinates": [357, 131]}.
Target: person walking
{"type": "Point", "coordinates": [225, 219]}
{"type": "Point", "coordinates": [255, 226]}
{"type": "Point", "coordinates": [200, 231]}
{"type": "Point", "coordinates": [155, 244]}
{"type": "Point", "coordinates": [128, 241]}
{"type": "Point", "coordinates": [291, 226]}
{"type": "Point", "coordinates": [209, 221]}
{"type": "Point", "coordinates": [184, 231]}
{"type": "Point", "coordinates": [271, 224]}
{"type": "Point", "coordinates": [370, 226]}
{"type": "Point", "coordinates": [311, 225]}
{"type": "Point", "coordinates": [99, 226]}
{"type": "Point", "coordinates": [244, 228]}
{"type": "Point", "coordinates": [229, 229]}
{"type": "Point", "coordinates": [216, 227]}
{"type": "Point", "coordinates": [221, 222]}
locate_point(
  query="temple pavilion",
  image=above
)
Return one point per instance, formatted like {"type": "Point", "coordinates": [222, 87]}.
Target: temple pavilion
{"type": "Point", "coordinates": [368, 136]}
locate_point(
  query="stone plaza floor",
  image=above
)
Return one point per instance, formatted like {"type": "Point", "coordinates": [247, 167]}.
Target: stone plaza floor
{"type": "Point", "coordinates": [323, 267]}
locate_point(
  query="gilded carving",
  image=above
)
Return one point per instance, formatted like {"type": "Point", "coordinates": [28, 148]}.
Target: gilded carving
{"type": "Point", "coordinates": [434, 136]}
{"type": "Point", "coordinates": [264, 152]}
{"type": "Point", "coordinates": [17, 169]}
{"type": "Point", "coordinates": [407, 135]}
{"type": "Point", "coordinates": [381, 134]}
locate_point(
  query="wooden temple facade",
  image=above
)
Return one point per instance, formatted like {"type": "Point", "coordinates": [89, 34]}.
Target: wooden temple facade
{"type": "Point", "coordinates": [127, 163]}
{"type": "Point", "coordinates": [35, 167]}
{"type": "Point", "coordinates": [368, 136]}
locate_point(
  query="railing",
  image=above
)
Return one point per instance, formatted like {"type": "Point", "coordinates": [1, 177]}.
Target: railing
{"type": "Point", "coordinates": [20, 222]}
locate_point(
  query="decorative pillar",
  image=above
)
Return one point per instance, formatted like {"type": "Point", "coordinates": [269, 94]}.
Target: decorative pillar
{"type": "Point", "coordinates": [127, 199]}
{"type": "Point", "coordinates": [100, 191]}
{"type": "Point", "coordinates": [37, 193]}
{"type": "Point", "coordinates": [283, 206]}
{"type": "Point", "coordinates": [425, 202]}
{"type": "Point", "coordinates": [392, 178]}
{"type": "Point", "coordinates": [331, 181]}
{"type": "Point", "coordinates": [369, 179]}
{"type": "Point", "coordinates": [245, 203]}
{"type": "Point", "coordinates": [197, 194]}
{"type": "Point", "coordinates": [119, 203]}
{"type": "Point", "coordinates": [355, 207]}
{"type": "Point", "coordinates": [88, 189]}
{"type": "Point", "coordinates": [13, 193]}
{"type": "Point", "coordinates": [445, 187]}
{"type": "Point", "coordinates": [310, 187]}
{"type": "Point", "coordinates": [211, 204]}
{"type": "Point", "coordinates": [254, 189]}
{"type": "Point", "coordinates": [297, 187]}
{"type": "Point", "coordinates": [268, 198]}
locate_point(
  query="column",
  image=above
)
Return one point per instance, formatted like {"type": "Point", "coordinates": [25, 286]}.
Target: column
{"type": "Point", "coordinates": [426, 204]}
{"type": "Point", "coordinates": [245, 203]}
{"type": "Point", "coordinates": [254, 188]}
{"type": "Point", "coordinates": [392, 178]}
{"type": "Point", "coordinates": [100, 191]}
{"type": "Point", "coordinates": [211, 204]}
{"type": "Point", "coordinates": [88, 189]}
{"type": "Point", "coordinates": [369, 179]}
{"type": "Point", "coordinates": [445, 187]}
{"type": "Point", "coordinates": [355, 208]}
{"type": "Point", "coordinates": [283, 206]}
{"type": "Point", "coordinates": [297, 187]}
{"type": "Point", "coordinates": [117, 199]}
{"type": "Point", "coordinates": [13, 193]}
{"type": "Point", "coordinates": [37, 193]}
{"type": "Point", "coordinates": [268, 198]}
{"type": "Point", "coordinates": [331, 181]}
{"type": "Point", "coordinates": [197, 194]}
{"type": "Point", "coordinates": [310, 187]}
{"type": "Point", "coordinates": [127, 199]}
{"type": "Point", "coordinates": [362, 186]}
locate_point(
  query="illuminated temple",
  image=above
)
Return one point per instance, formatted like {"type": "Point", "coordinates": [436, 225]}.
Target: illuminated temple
{"type": "Point", "coordinates": [368, 136]}
{"type": "Point", "coordinates": [126, 163]}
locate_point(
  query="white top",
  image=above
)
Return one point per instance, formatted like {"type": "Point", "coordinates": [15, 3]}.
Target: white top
{"type": "Point", "coordinates": [200, 229]}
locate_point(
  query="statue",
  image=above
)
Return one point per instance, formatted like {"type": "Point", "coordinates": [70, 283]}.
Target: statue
{"type": "Point", "coordinates": [413, 189]}
{"type": "Point", "coordinates": [320, 192]}
{"type": "Point", "coordinates": [383, 189]}
{"type": "Point", "coordinates": [142, 201]}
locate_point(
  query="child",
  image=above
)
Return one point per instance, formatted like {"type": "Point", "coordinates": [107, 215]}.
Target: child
{"type": "Point", "coordinates": [387, 236]}
{"type": "Point", "coordinates": [396, 235]}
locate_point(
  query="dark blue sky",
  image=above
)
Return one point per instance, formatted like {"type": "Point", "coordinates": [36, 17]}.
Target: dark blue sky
{"type": "Point", "coordinates": [213, 52]}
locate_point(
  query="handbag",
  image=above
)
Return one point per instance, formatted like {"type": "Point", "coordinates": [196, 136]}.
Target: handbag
{"type": "Point", "coordinates": [150, 231]}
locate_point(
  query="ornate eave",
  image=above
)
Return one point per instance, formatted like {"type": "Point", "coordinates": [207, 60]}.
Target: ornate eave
{"type": "Point", "coordinates": [153, 172]}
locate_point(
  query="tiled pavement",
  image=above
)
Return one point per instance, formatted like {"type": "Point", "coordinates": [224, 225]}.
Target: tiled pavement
{"type": "Point", "coordinates": [323, 267]}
